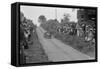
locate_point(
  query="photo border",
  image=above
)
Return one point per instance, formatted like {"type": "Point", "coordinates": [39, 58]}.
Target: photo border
{"type": "Point", "coordinates": [58, 6]}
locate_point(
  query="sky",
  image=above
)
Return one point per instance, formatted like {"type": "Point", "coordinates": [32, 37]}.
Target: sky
{"type": "Point", "coordinates": [33, 12]}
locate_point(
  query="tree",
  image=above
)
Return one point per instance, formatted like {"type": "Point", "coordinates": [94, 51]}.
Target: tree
{"type": "Point", "coordinates": [66, 18]}
{"type": "Point", "coordinates": [42, 19]}
{"type": "Point", "coordinates": [51, 26]}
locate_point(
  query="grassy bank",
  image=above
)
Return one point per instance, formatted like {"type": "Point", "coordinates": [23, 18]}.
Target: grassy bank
{"type": "Point", "coordinates": [35, 53]}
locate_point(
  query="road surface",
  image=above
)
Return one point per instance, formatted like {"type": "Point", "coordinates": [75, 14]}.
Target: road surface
{"type": "Point", "coordinates": [58, 51]}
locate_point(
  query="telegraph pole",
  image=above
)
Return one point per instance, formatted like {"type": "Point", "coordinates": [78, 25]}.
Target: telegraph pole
{"type": "Point", "coordinates": [55, 13]}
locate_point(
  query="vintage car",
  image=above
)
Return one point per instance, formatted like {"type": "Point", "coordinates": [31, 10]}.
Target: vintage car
{"type": "Point", "coordinates": [47, 35]}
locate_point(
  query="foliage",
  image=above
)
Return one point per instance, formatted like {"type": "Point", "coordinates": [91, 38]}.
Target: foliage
{"type": "Point", "coordinates": [42, 19]}
{"type": "Point", "coordinates": [66, 18]}
{"type": "Point", "coordinates": [50, 26]}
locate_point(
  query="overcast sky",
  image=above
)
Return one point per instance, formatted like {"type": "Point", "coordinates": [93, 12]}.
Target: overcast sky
{"type": "Point", "coordinates": [33, 12]}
